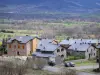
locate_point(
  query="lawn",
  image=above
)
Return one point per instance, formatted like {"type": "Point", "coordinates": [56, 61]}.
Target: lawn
{"type": "Point", "coordinates": [84, 63]}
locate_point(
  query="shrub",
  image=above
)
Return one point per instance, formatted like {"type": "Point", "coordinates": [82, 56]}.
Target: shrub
{"type": "Point", "coordinates": [11, 68]}
{"type": "Point", "coordinates": [67, 72]}
{"type": "Point", "coordinates": [96, 70]}
{"type": "Point", "coordinates": [36, 63]}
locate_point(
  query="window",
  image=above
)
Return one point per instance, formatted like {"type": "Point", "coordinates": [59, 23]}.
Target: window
{"type": "Point", "coordinates": [14, 46]}
{"type": "Point", "coordinates": [37, 50]}
{"type": "Point", "coordinates": [87, 50]}
{"type": "Point", "coordinates": [9, 46]}
{"type": "Point", "coordinates": [18, 46]}
{"type": "Point", "coordinates": [47, 52]}
{"type": "Point", "coordinates": [58, 50]}
{"type": "Point", "coordinates": [91, 50]}
{"type": "Point", "coordinates": [18, 53]}
{"type": "Point", "coordinates": [23, 47]}
{"type": "Point", "coordinates": [94, 54]}
{"type": "Point", "coordinates": [62, 56]}
{"type": "Point", "coordinates": [62, 49]}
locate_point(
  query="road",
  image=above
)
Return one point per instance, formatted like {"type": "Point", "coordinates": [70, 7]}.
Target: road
{"type": "Point", "coordinates": [56, 69]}
{"type": "Point", "coordinates": [84, 73]}
{"type": "Point", "coordinates": [85, 67]}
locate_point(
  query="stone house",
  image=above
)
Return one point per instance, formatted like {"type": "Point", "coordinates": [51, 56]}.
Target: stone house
{"type": "Point", "coordinates": [48, 49]}
{"type": "Point", "coordinates": [82, 50]}
{"type": "Point", "coordinates": [22, 45]}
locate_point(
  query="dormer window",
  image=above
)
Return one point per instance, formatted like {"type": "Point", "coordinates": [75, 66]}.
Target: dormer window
{"type": "Point", "coordinates": [75, 42]}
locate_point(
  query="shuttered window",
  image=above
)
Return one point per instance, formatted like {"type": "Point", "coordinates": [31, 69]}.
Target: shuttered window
{"type": "Point", "coordinates": [19, 46]}
{"type": "Point", "coordinates": [10, 46]}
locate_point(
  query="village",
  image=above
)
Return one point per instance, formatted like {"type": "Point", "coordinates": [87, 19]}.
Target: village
{"type": "Point", "coordinates": [73, 53]}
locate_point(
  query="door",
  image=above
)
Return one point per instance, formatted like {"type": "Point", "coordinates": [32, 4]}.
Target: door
{"type": "Point", "coordinates": [18, 53]}
{"type": "Point", "coordinates": [89, 55]}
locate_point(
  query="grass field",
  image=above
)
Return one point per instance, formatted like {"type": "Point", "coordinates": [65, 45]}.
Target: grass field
{"type": "Point", "coordinates": [84, 63]}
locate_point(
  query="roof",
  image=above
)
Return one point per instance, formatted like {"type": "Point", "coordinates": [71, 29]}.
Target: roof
{"type": "Point", "coordinates": [72, 41]}
{"type": "Point", "coordinates": [38, 54]}
{"type": "Point", "coordinates": [21, 39]}
{"type": "Point", "coordinates": [64, 42]}
{"type": "Point", "coordinates": [79, 47]}
{"type": "Point", "coordinates": [47, 45]}
{"type": "Point", "coordinates": [98, 47]}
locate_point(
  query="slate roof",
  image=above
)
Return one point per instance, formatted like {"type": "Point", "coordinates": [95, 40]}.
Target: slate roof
{"type": "Point", "coordinates": [98, 47]}
{"type": "Point", "coordinates": [72, 41]}
{"type": "Point", "coordinates": [39, 54]}
{"type": "Point", "coordinates": [47, 45]}
{"type": "Point", "coordinates": [21, 39]}
{"type": "Point", "coordinates": [79, 47]}
{"type": "Point", "coordinates": [64, 42]}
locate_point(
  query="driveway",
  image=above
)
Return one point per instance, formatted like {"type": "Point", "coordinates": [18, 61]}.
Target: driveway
{"type": "Point", "coordinates": [85, 67]}
{"type": "Point", "coordinates": [52, 69]}
{"type": "Point", "coordinates": [84, 73]}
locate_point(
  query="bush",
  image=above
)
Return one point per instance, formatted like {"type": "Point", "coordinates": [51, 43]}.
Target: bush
{"type": "Point", "coordinates": [67, 72]}
{"type": "Point", "coordinates": [10, 68]}
{"type": "Point", "coordinates": [96, 70]}
{"type": "Point", "coordinates": [36, 63]}
{"type": "Point", "coordinates": [74, 58]}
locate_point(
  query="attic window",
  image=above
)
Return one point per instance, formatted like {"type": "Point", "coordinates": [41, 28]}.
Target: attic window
{"type": "Point", "coordinates": [62, 49]}
{"type": "Point", "coordinates": [58, 50]}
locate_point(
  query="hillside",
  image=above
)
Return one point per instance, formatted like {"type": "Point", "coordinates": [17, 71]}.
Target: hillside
{"type": "Point", "coordinates": [53, 5]}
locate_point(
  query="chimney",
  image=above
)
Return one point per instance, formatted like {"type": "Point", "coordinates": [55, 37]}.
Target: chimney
{"type": "Point", "coordinates": [40, 44]}
{"type": "Point", "coordinates": [75, 42]}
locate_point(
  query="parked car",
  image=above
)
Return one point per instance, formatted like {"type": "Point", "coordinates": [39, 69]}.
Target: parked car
{"type": "Point", "coordinates": [51, 63]}
{"type": "Point", "coordinates": [69, 64]}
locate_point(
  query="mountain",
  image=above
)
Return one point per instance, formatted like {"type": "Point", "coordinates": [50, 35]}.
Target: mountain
{"type": "Point", "coordinates": [57, 3]}
{"type": "Point", "coordinates": [47, 6]}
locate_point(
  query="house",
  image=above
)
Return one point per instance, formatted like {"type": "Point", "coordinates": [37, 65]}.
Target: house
{"type": "Point", "coordinates": [47, 49]}
{"type": "Point", "coordinates": [22, 45]}
{"type": "Point", "coordinates": [83, 50]}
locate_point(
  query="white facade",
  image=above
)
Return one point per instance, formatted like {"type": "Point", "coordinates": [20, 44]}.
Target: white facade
{"type": "Point", "coordinates": [90, 53]}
